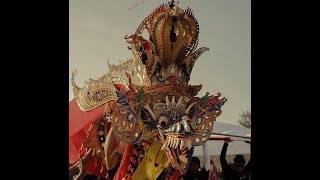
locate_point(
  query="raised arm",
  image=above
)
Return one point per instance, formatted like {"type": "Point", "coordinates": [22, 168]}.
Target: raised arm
{"type": "Point", "coordinates": [223, 161]}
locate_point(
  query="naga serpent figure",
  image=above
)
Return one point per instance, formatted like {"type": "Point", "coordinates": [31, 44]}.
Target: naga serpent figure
{"type": "Point", "coordinates": [145, 119]}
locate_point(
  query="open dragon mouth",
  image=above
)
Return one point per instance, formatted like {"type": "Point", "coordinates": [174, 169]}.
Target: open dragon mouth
{"type": "Point", "coordinates": [178, 150]}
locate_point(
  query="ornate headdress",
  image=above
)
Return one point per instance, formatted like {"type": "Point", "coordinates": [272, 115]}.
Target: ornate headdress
{"type": "Point", "coordinates": [170, 52]}
{"type": "Point", "coordinates": [148, 98]}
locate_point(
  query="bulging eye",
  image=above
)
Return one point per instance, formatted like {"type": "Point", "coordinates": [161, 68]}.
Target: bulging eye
{"type": "Point", "coordinates": [163, 121]}
{"type": "Point", "coordinates": [130, 118]}
{"type": "Point", "coordinates": [199, 121]}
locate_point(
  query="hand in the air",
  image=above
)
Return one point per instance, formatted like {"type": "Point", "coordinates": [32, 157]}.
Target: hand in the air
{"type": "Point", "coordinates": [227, 140]}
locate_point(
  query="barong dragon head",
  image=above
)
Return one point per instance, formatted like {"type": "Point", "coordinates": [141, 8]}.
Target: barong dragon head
{"type": "Point", "coordinates": [148, 96]}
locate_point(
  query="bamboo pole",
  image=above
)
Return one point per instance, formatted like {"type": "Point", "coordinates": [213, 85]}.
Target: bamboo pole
{"type": "Point", "coordinates": [230, 135]}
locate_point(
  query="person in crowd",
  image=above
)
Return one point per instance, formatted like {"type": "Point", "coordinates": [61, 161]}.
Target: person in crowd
{"type": "Point", "coordinates": [238, 170]}
{"type": "Point", "coordinates": [214, 172]}
{"type": "Point", "coordinates": [195, 172]}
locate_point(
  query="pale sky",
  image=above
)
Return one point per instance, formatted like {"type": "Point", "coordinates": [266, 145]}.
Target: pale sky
{"type": "Point", "coordinates": [98, 27]}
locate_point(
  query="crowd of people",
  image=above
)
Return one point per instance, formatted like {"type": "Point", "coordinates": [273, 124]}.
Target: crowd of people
{"type": "Point", "coordinates": [236, 170]}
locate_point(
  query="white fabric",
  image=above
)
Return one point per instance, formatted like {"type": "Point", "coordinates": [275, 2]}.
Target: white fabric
{"type": "Point", "coordinates": [206, 155]}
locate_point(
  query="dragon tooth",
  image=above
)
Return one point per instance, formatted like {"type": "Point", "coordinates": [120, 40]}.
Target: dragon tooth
{"type": "Point", "coordinates": [169, 130]}
{"type": "Point", "coordinates": [173, 143]}
{"type": "Point", "coordinates": [189, 144]}
{"type": "Point", "coordinates": [176, 143]}
{"type": "Point", "coordinates": [170, 142]}
{"type": "Point", "coordinates": [181, 144]}
{"type": "Point", "coordinates": [173, 128]}
{"type": "Point", "coordinates": [178, 127]}
{"type": "Point", "coordinates": [186, 126]}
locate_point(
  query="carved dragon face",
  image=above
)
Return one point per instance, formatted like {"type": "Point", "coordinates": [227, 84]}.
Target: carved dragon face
{"type": "Point", "coordinates": [169, 114]}
{"type": "Point", "coordinates": [175, 130]}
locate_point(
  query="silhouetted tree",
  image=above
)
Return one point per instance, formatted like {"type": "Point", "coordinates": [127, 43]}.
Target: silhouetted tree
{"type": "Point", "coordinates": [245, 119]}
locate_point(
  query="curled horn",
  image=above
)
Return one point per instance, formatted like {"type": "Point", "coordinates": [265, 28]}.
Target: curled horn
{"type": "Point", "coordinates": [75, 88]}
{"type": "Point", "coordinates": [192, 58]}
